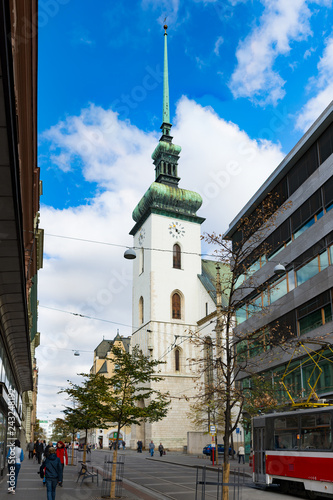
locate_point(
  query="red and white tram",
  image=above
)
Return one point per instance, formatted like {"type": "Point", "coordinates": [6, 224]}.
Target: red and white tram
{"type": "Point", "coordinates": [294, 449]}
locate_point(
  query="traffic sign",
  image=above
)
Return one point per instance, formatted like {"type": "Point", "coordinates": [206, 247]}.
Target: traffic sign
{"type": "Point", "coordinates": [212, 430]}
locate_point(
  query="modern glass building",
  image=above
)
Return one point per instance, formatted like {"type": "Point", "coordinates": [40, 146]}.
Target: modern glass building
{"type": "Point", "coordinates": [298, 300]}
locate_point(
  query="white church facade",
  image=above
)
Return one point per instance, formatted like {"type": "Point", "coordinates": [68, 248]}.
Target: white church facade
{"type": "Point", "coordinates": [173, 288]}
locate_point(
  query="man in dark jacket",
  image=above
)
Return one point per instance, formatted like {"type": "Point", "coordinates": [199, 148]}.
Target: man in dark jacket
{"type": "Point", "coordinates": [39, 449]}
{"type": "Point", "coordinates": [53, 473]}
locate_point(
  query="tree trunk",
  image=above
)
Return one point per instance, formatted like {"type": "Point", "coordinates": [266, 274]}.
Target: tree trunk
{"type": "Point", "coordinates": [226, 476]}
{"type": "Point", "coordinates": [72, 461]}
{"type": "Point", "coordinates": [85, 448]}
{"type": "Point", "coordinates": [114, 468]}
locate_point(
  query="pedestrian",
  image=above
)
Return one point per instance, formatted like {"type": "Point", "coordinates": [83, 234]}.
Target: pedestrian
{"type": "Point", "coordinates": [161, 449]}
{"type": "Point", "coordinates": [124, 444]}
{"type": "Point", "coordinates": [46, 454]}
{"type": "Point", "coordinates": [30, 449]}
{"type": "Point", "coordinates": [15, 457]}
{"type": "Point", "coordinates": [39, 450]}
{"type": "Point", "coordinates": [139, 443]}
{"type": "Point", "coordinates": [53, 473]}
{"type": "Point", "coordinates": [151, 448]}
{"type": "Point", "coordinates": [241, 454]}
{"type": "Point", "coordinates": [62, 453]}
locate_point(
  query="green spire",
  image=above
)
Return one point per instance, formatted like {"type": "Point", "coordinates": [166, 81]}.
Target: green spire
{"type": "Point", "coordinates": [166, 153]}
{"type": "Point", "coordinates": [166, 111]}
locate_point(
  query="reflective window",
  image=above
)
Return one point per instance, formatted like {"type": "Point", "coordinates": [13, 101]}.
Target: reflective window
{"type": "Point", "coordinates": [278, 290]}
{"type": "Point", "coordinates": [316, 432]}
{"type": "Point", "coordinates": [308, 271]}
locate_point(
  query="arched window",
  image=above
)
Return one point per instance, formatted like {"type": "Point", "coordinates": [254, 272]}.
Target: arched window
{"type": "Point", "coordinates": [142, 261]}
{"type": "Point", "coordinates": [176, 256]}
{"type": "Point", "coordinates": [177, 360]}
{"type": "Point", "coordinates": [141, 311]}
{"type": "Point", "coordinates": [176, 306]}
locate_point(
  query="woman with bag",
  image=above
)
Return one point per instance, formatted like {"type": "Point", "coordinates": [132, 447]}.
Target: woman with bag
{"type": "Point", "coordinates": [52, 470]}
{"type": "Point", "coordinates": [161, 449]}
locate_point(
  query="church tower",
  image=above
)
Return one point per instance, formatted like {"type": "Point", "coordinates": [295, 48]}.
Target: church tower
{"type": "Point", "coordinates": [166, 288]}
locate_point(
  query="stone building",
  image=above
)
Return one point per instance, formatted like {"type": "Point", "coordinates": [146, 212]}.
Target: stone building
{"type": "Point", "coordinates": [103, 364]}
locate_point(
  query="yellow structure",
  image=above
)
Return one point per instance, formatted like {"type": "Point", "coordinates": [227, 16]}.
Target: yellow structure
{"type": "Point", "coordinates": [104, 365]}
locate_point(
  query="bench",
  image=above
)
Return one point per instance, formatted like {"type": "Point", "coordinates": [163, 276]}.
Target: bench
{"type": "Point", "coordinates": [87, 473]}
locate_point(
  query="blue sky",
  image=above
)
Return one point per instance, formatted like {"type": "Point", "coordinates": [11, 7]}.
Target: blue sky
{"type": "Point", "coordinates": [247, 78]}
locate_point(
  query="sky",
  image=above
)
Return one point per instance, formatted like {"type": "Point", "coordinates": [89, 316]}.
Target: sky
{"type": "Point", "coordinates": [247, 78]}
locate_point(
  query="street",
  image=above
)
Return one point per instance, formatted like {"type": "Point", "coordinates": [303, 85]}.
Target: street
{"type": "Point", "coordinates": [178, 482]}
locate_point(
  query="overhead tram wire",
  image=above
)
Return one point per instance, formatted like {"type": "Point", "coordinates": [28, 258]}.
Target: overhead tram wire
{"type": "Point", "coordinates": [124, 246]}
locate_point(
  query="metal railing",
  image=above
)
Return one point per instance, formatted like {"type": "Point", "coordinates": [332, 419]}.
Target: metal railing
{"type": "Point", "coordinates": [107, 475]}
{"type": "Point", "coordinates": [213, 480]}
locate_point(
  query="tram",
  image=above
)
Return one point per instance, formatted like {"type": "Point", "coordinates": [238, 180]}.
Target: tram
{"type": "Point", "coordinates": [294, 449]}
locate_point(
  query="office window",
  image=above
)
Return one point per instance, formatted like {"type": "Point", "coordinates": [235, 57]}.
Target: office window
{"type": "Point", "coordinates": [325, 144]}
{"type": "Point", "coordinates": [176, 256]}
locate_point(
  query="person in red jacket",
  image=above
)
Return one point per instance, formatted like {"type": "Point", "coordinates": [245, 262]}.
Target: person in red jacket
{"type": "Point", "coordinates": [62, 453]}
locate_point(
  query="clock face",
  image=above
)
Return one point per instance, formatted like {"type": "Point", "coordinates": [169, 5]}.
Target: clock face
{"type": "Point", "coordinates": [176, 229]}
{"type": "Point", "coordinates": [142, 235]}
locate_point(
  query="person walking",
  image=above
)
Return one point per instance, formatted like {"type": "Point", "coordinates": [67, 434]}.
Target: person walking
{"type": "Point", "coordinates": [161, 449]}
{"type": "Point", "coordinates": [241, 454]}
{"type": "Point", "coordinates": [139, 443]}
{"type": "Point", "coordinates": [15, 457]}
{"type": "Point", "coordinates": [30, 449]}
{"type": "Point", "coordinates": [62, 453]}
{"type": "Point", "coordinates": [39, 450]}
{"type": "Point", "coordinates": [53, 473]}
{"type": "Point", "coordinates": [151, 448]}
{"type": "Point", "coordinates": [46, 454]}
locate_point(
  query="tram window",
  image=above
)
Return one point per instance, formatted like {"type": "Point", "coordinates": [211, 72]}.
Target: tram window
{"type": "Point", "coordinates": [316, 432]}
{"type": "Point", "coordinates": [285, 433]}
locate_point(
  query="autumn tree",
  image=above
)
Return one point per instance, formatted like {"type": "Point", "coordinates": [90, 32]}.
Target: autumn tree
{"type": "Point", "coordinates": [236, 355]}
{"type": "Point", "coordinates": [60, 430]}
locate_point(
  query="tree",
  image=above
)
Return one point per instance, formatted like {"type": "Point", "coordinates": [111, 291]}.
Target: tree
{"type": "Point", "coordinates": [39, 432]}
{"type": "Point", "coordinates": [60, 430]}
{"type": "Point", "coordinates": [233, 355]}
{"type": "Point", "coordinates": [115, 400]}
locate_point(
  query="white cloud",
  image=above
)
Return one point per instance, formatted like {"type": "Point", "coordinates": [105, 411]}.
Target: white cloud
{"type": "Point", "coordinates": [218, 160]}
{"type": "Point", "coordinates": [322, 85]}
{"type": "Point", "coordinates": [282, 22]}
{"type": "Point", "coordinates": [218, 44]}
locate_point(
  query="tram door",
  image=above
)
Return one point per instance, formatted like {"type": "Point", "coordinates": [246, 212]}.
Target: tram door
{"type": "Point", "coordinates": [259, 455]}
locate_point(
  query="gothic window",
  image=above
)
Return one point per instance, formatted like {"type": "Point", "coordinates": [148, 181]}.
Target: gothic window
{"type": "Point", "coordinates": [176, 306]}
{"type": "Point", "coordinates": [141, 311]}
{"type": "Point", "coordinates": [142, 261]}
{"type": "Point", "coordinates": [177, 360]}
{"type": "Point", "coordinates": [176, 256]}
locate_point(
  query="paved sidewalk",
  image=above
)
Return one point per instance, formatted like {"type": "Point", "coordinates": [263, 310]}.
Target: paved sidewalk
{"type": "Point", "coordinates": [30, 486]}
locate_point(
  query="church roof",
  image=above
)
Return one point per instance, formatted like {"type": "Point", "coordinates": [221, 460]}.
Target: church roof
{"type": "Point", "coordinates": [168, 200]}
{"type": "Point", "coordinates": [208, 279]}
{"type": "Point", "coordinates": [164, 197]}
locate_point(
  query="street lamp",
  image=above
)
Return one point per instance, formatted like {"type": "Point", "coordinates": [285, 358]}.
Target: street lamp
{"type": "Point", "coordinates": [130, 254]}
{"type": "Point", "coordinates": [279, 269]}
